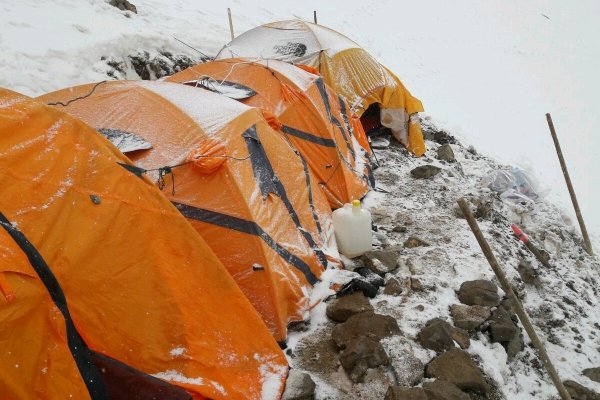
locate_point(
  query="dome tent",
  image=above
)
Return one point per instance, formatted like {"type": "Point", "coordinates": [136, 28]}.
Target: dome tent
{"type": "Point", "coordinates": [314, 118]}
{"type": "Point", "coordinates": [105, 287]}
{"type": "Point", "coordinates": [236, 180]}
{"type": "Point", "coordinates": [345, 66]}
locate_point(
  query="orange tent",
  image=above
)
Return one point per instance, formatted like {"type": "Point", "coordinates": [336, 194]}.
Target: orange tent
{"type": "Point", "coordinates": [106, 291]}
{"type": "Point", "coordinates": [314, 118]}
{"type": "Point", "coordinates": [236, 180]}
{"type": "Point", "coordinates": [345, 66]}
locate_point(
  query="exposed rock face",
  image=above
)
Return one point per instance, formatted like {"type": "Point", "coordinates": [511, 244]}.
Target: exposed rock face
{"type": "Point", "coordinates": [479, 293]}
{"type": "Point", "coordinates": [445, 153]}
{"type": "Point", "coordinates": [456, 366]}
{"type": "Point", "coordinates": [405, 393]}
{"type": "Point", "coordinates": [592, 373]}
{"type": "Point", "coordinates": [346, 306]}
{"type": "Point", "coordinates": [367, 324]}
{"type": "Point", "coordinates": [443, 390]}
{"type": "Point", "coordinates": [425, 172]}
{"type": "Point", "coordinates": [381, 261]}
{"type": "Point", "coordinates": [437, 336]}
{"type": "Point", "coordinates": [393, 287]}
{"type": "Point", "coordinates": [580, 392]}
{"type": "Point", "coordinates": [299, 386]}
{"type": "Point", "coordinates": [361, 354]}
{"type": "Point", "coordinates": [469, 317]}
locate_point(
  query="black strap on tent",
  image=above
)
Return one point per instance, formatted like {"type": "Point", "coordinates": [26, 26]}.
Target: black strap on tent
{"type": "Point", "coordinates": [79, 350]}
{"type": "Point", "coordinates": [310, 193]}
{"type": "Point", "coordinates": [245, 226]}
{"type": "Point", "coordinates": [308, 136]}
{"type": "Point", "coordinates": [270, 183]}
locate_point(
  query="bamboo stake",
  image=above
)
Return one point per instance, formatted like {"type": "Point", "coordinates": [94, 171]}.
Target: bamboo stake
{"type": "Point", "coordinates": [564, 394]}
{"type": "Point", "coordinates": [230, 23]}
{"type": "Point", "coordinates": [563, 166]}
{"type": "Point", "coordinates": [315, 16]}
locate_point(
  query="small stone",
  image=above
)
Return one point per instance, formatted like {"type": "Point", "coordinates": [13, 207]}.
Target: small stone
{"type": "Point", "coordinates": [416, 285]}
{"type": "Point", "coordinates": [381, 261]}
{"type": "Point", "coordinates": [515, 346]}
{"type": "Point", "coordinates": [414, 241]}
{"type": "Point", "coordinates": [580, 392]}
{"type": "Point", "coordinates": [361, 354]}
{"type": "Point", "coordinates": [425, 172]}
{"type": "Point", "coordinates": [479, 292]}
{"type": "Point", "coordinates": [502, 327]}
{"type": "Point", "coordinates": [528, 274]}
{"type": "Point", "coordinates": [437, 336]}
{"type": "Point", "coordinates": [393, 287]}
{"type": "Point", "coordinates": [374, 326]}
{"type": "Point", "coordinates": [405, 393]}
{"type": "Point", "coordinates": [299, 386]}
{"type": "Point", "coordinates": [457, 367]}
{"type": "Point", "coordinates": [370, 276]}
{"type": "Point", "coordinates": [442, 390]}
{"type": "Point", "coordinates": [399, 229]}
{"type": "Point", "coordinates": [469, 317]}
{"type": "Point", "coordinates": [461, 337]}
{"type": "Point", "coordinates": [408, 368]}
{"type": "Point", "coordinates": [123, 5]}
{"type": "Point", "coordinates": [592, 373]}
{"type": "Point", "coordinates": [346, 306]}
{"type": "Point", "coordinates": [445, 153]}
{"type": "Point", "coordinates": [420, 307]}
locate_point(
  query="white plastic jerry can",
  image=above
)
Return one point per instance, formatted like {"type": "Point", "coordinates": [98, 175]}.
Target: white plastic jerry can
{"type": "Point", "coordinates": [352, 226]}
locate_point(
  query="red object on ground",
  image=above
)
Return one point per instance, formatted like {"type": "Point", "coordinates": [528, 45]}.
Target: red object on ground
{"type": "Point", "coordinates": [519, 233]}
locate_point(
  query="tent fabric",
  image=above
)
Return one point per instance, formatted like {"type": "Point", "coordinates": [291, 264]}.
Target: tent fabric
{"type": "Point", "coordinates": [236, 180]}
{"type": "Point", "coordinates": [312, 115]}
{"type": "Point", "coordinates": [345, 66]}
{"type": "Point", "coordinates": [100, 272]}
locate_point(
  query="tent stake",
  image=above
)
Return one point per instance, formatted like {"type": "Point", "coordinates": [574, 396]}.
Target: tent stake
{"type": "Point", "coordinates": [315, 16]}
{"type": "Point", "coordinates": [532, 248]}
{"type": "Point", "coordinates": [230, 23]}
{"type": "Point", "coordinates": [523, 317]}
{"type": "Point", "coordinates": [563, 166]}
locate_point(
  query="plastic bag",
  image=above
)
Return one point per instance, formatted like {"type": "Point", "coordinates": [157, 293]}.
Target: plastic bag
{"type": "Point", "coordinates": [499, 180]}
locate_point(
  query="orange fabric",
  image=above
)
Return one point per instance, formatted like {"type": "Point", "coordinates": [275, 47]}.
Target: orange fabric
{"type": "Point", "coordinates": [293, 96]}
{"type": "Point", "coordinates": [308, 68]}
{"type": "Point", "coordinates": [208, 157]}
{"type": "Point", "coordinates": [141, 285]}
{"type": "Point", "coordinates": [271, 119]}
{"type": "Point", "coordinates": [181, 121]}
{"type": "Point", "coordinates": [360, 134]}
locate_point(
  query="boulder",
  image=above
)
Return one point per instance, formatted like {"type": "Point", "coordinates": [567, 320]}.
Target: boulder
{"type": "Point", "coordinates": [405, 393]}
{"type": "Point", "coordinates": [445, 153]}
{"type": "Point", "coordinates": [443, 390]}
{"type": "Point", "coordinates": [502, 327]}
{"type": "Point", "coordinates": [346, 306]}
{"type": "Point", "coordinates": [592, 373]}
{"type": "Point", "coordinates": [580, 392]}
{"type": "Point", "coordinates": [393, 287]}
{"type": "Point", "coordinates": [416, 285]}
{"type": "Point", "coordinates": [360, 354]}
{"type": "Point", "coordinates": [299, 386]}
{"type": "Point", "coordinates": [461, 337]}
{"type": "Point", "coordinates": [469, 317]}
{"type": "Point", "coordinates": [515, 346]}
{"type": "Point", "coordinates": [425, 172]}
{"type": "Point", "coordinates": [367, 324]}
{"type": "Point", "coordinates": [437, 336]}
{"type": "Point", "coordinates": [479, 293]}
{"type": "Point", "coordinates": [457, 367]}
{"type": "Point", "coordinates": [381, 261]}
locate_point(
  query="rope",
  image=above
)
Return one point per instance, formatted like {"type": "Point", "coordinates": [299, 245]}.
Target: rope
{"type": "Point", "coordinates": [59, 103]}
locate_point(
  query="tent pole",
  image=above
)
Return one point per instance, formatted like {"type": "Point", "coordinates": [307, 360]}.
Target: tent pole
{"type": "Point", "coordinates": [563, 166]}
{"type": "Point", "coordinates": [520, 311]}
{"type": "Point", "coordinates": [315, 16]}
{"type": "Point", "coordinates": [230, 23]}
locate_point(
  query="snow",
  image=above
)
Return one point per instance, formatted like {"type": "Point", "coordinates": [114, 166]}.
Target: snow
{"type": "Point", "coordinates": [175, 376]}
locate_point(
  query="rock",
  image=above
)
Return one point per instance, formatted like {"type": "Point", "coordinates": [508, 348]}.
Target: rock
{"type": "Point", "coordinates": [479, 292]}
{"type": "Point", "coordinates": [370, 276]}
{"type": "Point", "coordinates": [515, 346]}
{"type": "Point", "coordinates": [299, 386]}
{"type": "Point", "coordinates": [592, 373]}
{"type": "Point", "coordinates": [399, 229]}
{"type": "Point", "coordinates": [469, 317]}
{"type": "Point", "coordinates": [416, 285]}
{"type": "Point", "coordinates": [443, 390]}
{"type": "Point", "coordinates": [425, 172]}
{"type": "Point", "coordinates": [368, 324]}
{"type": "Point", "coordinates": [461, 337]}
{"type": "Point", "coordinates": [359, 285]}
{"type": "Point", "coordinates": [436, 335]}
{"type": "Point", "coordinates": [580, 392]}
{"type": "Point", "coordinates": [445, 153]}
{"type": "Point", "coordinates": [456, 366]}
{"type": "Point", "coordinates": [381, 261]}
{"type": "Point", "coordinates": [344, 307]}
{"type": "Point", "coordinates": [407, 367]}
{"type": "Point", "coordinates": [528, 274]}
{"type": "Point", "coordinates": [414, 241]}
{"type": "Point", "coordinates": [360, 354]}
{"type": "Point", "coordinates": [405, 393]}
{"type": "Point", "coordinates": [502, 327]}
{"type": "Point", "coordinates": [123, 5]}
{"type": "Point", "coordinates": [393, 287]}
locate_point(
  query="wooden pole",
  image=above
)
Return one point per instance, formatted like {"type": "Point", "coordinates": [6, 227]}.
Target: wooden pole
{"type": "Point", "coordinates": [315, 16]}
{"type": "Point", "coordinates": [523, 317]}
{"type": "Point", "coordinates": [563, 166]}
{"type": "Point", "coordinates": [532, 248]}
{"type": "Point", "coordinates": [230, 23]}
